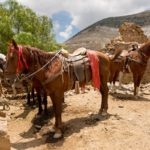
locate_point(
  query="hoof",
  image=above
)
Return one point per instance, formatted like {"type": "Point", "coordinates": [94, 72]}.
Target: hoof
{"type": "Point", "coordinates": [52, 130]}
{"type": "Point", "coordinates": [136, 97]}
{"type": "Point", "coordinates": [57, 135]}
{"type": "Point", "coordinates": [103, 112]}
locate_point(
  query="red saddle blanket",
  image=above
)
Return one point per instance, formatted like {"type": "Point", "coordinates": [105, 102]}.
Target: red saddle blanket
{"type": "Point", "coordinates": [94, 61]}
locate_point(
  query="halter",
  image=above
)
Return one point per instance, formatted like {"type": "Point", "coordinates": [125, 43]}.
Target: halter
{"type": "Point", "coordinates": [20, 63]}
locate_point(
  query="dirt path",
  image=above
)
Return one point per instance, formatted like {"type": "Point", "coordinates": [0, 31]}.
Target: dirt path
{"type": "Point", "coordinates": [126, 127]}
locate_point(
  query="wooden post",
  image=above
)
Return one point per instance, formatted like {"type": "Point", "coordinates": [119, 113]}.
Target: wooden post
{"type": "Point", "coordinates": [77, 89]}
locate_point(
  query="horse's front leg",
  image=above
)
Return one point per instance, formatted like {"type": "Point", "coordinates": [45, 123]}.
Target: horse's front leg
{"type": "Point", "coordinates": [28, 95]}
{"type": "Point", "coordinates": [137, 81]}
{"type": "Point", "coordinates": [45, 102]}
{"type": "Point", "coordinates": [57, 104]}
{"type": "Point", "coordinates": [120, 79]}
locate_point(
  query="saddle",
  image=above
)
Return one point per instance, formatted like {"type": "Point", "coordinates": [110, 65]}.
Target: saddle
{"type": "Point", "coordinates": [78, 66]}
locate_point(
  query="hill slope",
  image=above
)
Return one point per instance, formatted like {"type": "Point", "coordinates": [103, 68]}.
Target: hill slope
{"type": "Point", "coordinates": [101, 32]}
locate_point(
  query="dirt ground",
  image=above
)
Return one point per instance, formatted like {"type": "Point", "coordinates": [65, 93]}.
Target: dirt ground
{"type": "Point", "coordinates": [127, 126]}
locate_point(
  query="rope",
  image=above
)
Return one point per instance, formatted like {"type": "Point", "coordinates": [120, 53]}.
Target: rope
{"type": "Point", "coordinates": [30, 75]}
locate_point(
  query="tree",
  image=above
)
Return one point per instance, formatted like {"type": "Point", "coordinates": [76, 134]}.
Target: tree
{"type": "Point", "coordinates": [24, 25]}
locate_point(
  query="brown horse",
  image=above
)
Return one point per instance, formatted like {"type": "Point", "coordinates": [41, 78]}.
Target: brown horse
{"type": "Point", "coordinates": [49, 69]}
{"type": "Point", "coordinates": [137, 62]}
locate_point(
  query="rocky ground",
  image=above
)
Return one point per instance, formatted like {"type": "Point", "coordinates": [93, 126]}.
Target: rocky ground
{"type": "Point", "coordinates": [127, 125]}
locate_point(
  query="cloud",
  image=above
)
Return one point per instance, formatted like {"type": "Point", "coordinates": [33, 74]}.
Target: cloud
{"type": "Point", "coordinates": [56, 26]}
{"type": "Point", "coordinates": [85, 13]}
{"type": "Point", "coordinates": [69, 29]}
{"type": "Point", "coordinates": [67, 32]}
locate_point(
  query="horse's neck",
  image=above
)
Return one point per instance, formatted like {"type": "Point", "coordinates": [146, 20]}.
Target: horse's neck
{"type": "Point", "coordinates": [46, 65]}
{"type": "Point", "coordinates": [145, 53]}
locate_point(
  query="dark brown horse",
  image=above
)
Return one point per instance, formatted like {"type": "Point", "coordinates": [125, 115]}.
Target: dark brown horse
{"type": "Point", "coordinates": [49, 69]}
{"type": "Point", "coordinates": [137, 62]}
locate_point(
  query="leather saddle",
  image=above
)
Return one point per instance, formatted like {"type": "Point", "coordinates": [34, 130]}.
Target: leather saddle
{"type": "Point", "coordinates": [78, 66]}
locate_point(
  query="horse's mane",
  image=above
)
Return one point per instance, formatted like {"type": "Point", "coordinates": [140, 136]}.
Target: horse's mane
{"type": "Point", "coordinates": [38, 55]}
{"type": "Point", "coordinates": [144, 47]}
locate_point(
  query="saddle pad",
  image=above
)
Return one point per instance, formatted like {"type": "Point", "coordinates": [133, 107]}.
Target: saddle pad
{"type": "Point", "coordinates": [94, 61]}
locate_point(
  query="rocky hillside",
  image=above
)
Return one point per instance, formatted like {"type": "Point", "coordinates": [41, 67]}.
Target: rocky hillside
{"type": "Point", "coordinates": [100, 33]}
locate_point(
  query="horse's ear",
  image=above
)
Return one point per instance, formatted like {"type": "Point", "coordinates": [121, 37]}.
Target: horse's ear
{"type": "Point", "coordinates": [14, 43]}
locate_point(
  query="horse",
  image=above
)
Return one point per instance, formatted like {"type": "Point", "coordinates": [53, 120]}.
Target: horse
{"type": "Point", "coordinates": [137, 61]}
{"type": "Point", "coordinates": [51, 69]}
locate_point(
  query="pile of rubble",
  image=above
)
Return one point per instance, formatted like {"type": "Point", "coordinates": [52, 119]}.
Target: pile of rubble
{"type": "Point", "coordinates": [131, 32]}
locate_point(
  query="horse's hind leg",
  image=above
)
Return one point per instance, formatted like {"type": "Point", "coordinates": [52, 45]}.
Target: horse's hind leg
{"type": "Point", "coordinates": [104, 93]}
{"type": "Point", "coordinates": [116, 74]}
{"type": "Point", "coordinates": [111, 81]}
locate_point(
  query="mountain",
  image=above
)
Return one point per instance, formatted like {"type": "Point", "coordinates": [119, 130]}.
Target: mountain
{"type": "Point", "coordinates": [98, 34]}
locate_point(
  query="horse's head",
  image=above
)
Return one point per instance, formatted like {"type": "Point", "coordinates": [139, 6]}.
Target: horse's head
{"type": "Point", "coordinates": [15, 61]}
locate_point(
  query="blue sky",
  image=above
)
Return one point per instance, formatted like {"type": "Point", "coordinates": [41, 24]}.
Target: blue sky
{"type": "Point", "coordinates": [63, 29]}
{"type": "Point", "coordinates": [71, 16]}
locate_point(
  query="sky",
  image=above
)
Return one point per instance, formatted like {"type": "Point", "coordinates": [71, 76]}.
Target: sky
{"type": "Point", "coordinates": [71, 16]}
